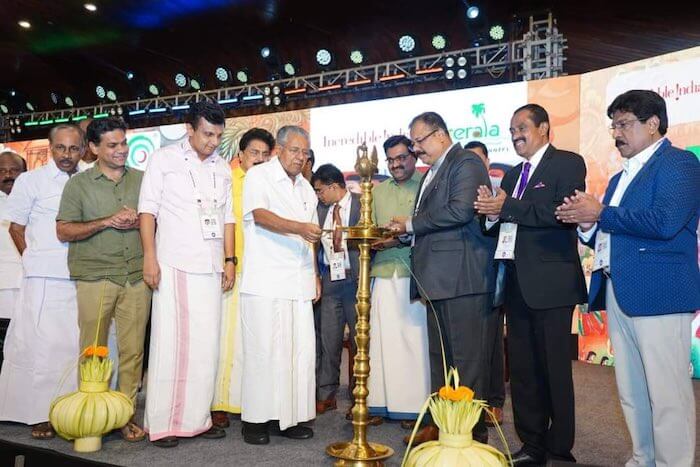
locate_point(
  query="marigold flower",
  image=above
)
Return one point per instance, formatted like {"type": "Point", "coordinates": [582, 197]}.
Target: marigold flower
{"type": "Point", "coordinates": [456, 394]}
{"type": "Point", "coordinates": [99, 351]}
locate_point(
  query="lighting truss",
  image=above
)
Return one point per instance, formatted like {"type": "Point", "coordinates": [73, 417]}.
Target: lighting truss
{"type": "Point", "coordinates": [538, 55]}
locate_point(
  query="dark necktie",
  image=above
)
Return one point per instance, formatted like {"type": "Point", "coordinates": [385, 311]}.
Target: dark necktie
{"type": "Point", "coordinates": [523, 180]}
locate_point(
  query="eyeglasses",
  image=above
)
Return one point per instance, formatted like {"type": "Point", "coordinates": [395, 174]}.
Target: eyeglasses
{"type": "Point", "coordinates": [61, 149]}
{"type": "Point", "coordinates": [400, 158]}
{"type": "Point", "coordinates": [420, 140]}
{"type": "Point", "coordinates": [319, 191]}
{"type": "Point", "coordinates": [295, 151]}
{"type": "Point", "coordinates": [623, 125]}
{"type": "Point", "coordinates": [257, 153]}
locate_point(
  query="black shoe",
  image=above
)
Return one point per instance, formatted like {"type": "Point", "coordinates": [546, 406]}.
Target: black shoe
{"type": "Point", "coordinates": [255, 433]}
{"type": "Point", "coordinates": [214, 433]}
{"type": "Point", "coordinates": [167, 442]}
{"type": "Point", "coordinates": [293, 432]}
{"type": "Point", "coordinates": [525, 459]}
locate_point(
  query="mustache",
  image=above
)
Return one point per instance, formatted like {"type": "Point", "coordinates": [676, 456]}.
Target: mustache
{"type": "Point", "coordinates": [258, 163]}
{"type": "Point", "coordinates": [618, 143]}
{"type": "Point", "coordinates": [519, 139]}
{"type": "Point", "coordinates": [397, 167]}
{"type": "Point", "coordinates": [8, 180]}
{"type": "Point", "coordinates": [65, 160]}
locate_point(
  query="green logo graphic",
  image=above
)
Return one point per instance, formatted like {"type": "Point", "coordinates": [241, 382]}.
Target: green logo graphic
{"type": "Point", "coordinates": [478, 131]}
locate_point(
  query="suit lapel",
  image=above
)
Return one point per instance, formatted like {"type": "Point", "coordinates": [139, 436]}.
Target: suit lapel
{"type": "Point", "coordinates": [645, 170]}
{"type": "Point", "coordinates": [451, 154]}
{"type": "Point", "coordinates": [322, 211]}
{"type": "Point", "coordinates": [354, 210]}
{"type": "Point", "coordinates": [536, 176]}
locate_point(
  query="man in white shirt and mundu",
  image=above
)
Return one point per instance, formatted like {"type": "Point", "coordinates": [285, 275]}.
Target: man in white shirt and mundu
{"type": "Point", "coordinates": [188, 261]}
{"type": "Point", "coordinates": [279, 284]}
{"type": "Point", "coordinates": [41, 348]}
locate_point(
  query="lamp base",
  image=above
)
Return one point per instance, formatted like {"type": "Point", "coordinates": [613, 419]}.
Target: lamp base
{"type": "Point", "coordinates": [352, 455]}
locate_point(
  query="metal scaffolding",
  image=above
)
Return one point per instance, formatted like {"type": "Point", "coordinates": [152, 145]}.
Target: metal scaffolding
{"type": "Point", "coordinates": [539, 54]}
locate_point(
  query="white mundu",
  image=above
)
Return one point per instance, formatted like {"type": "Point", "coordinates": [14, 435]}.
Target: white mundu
{"type": "Point", "coordinates": [399, 382]}
{"type": "Point", "coordinates": [277, 287]}
{"type": "Point", "coordinates": [10, 266]}
{"type": "Point", "coordinates": [41, 348]}
{"type": "Point", "coordinates": [186, 311]}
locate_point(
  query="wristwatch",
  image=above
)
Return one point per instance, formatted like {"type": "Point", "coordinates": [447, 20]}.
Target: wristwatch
{"type": "Point", "coordinates": [231, 259]}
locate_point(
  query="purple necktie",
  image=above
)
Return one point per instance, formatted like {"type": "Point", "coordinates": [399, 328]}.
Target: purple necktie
{"type": "Point", "coordinates": [523, 179]}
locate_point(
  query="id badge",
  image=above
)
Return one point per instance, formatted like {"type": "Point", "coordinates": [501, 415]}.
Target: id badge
{"type": "Point", "coordinates": [506, 241]}
{"type": "Point", "coordinates": [212, 223]}
{"type": "Point", "coordinates": [337, 266]}
{"type": "Point", "coordinates": [602, 251]}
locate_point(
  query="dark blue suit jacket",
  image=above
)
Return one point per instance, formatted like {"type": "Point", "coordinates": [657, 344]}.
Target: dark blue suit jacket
{"type": "Point", "coordinates": [653, 237]}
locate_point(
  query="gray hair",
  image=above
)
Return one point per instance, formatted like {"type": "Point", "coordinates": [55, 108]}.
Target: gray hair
{"type": "Point", "coordinates": [67, 126]}
{"type": "Point", "coordinates": [284, 132]}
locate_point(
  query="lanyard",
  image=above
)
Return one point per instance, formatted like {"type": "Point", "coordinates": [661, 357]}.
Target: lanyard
{"type": "Point", "coordinates": [197, 193]}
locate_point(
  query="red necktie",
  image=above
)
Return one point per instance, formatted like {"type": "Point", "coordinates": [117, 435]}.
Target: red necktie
{"type": "Point", "coordinates": [337, 233]}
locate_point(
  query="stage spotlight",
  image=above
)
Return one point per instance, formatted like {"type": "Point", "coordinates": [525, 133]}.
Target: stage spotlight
{"type": "Point", "coordinates": [13, 93]}
{"type": "Point", "coordinates": [473, 12]}
{"type": "Point", "coordinates": [129, 75]}
{"type": "Point", "coordinates": [4, 109]}
{"type": "Point", "coordinates": [407, 44]}
{"type": "Point", "coordinates": [29, 106]}
{"type": "Point", "coordinates": [456, 67]}
{"type": "Point", "coordinates": [439, 42]}
{"type": "Point", "coordinates": [289, 69]}
{"type": "Point", "coordinates": [223, 74]}
{"type": "Point", "coordinates": [111, 96]}
{"type": "Point", "coordinates": [196, 84]}
{"type": "Point", "coordinates": [55, 98]}
{"type": "Point", "coordinates": [100, 91]}
{"type": "Point", "coordinates": [155, 90]}
{"type": "Point", "coordinates": [357, 57]}
{"type": "Point", "coordinates": [324, 57]}
{"type": "Point", "coordinates": [242, 76]}
{"type": "Point", "coordinates": [181, 80]}
{"type": "Point", "coordinates": [497, 32]}
{"type": "Point", "coordinates": [69, 101]}
{"type": "Point", "coordinates": [265, 52]}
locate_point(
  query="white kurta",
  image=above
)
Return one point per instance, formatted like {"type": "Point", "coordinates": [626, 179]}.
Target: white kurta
{"type": "Point", "coordinates": [277, 287]}
{"type": "Point", "coordinates": [399, 382]}
{"type": "Point", "coordinates": [42, 346]}
{"type": "Point", "coordinates": [10, 266]}
{"type": "Point", "coordinates": [183, 353]}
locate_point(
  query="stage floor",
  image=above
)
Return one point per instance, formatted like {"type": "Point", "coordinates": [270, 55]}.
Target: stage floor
{"type": "Point", "coordinates": [601, 436]}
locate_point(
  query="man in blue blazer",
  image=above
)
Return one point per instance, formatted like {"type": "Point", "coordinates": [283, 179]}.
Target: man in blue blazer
{"type": "Point", "coordinates": [646, 276]}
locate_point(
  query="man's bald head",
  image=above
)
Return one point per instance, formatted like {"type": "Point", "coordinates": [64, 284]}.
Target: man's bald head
{"type": "Point", "coordinates": [11, 165]}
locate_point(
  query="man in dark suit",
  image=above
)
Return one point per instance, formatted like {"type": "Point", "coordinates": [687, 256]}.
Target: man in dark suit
{"type": "Point", "coordinates": [646, 276]}
{"type": "Point", "coordinates": [339, 266]}
{"type": "Point", "coordinates": [451, 260]}
{"type": "Point", "coordinates": [544, 281]}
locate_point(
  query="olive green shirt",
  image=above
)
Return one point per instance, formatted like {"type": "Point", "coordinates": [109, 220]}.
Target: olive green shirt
{"type": "Point", "coordinates": [114, 254]}
{"type": "Point", "coordinates": [391, 199]}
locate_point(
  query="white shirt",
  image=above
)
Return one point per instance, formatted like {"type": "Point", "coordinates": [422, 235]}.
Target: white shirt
{"type": "Point", "coordinates": [327, 240]}
{"type": "Point", "coordinates": [630, 169]}
{"type": "Point", "coordinates": [34, 202]}
{"type": "Point", "coordinates": [10, 260]}
{"type": "Point", "coordinates": [174, 179]}
{"type": "Point", "coordinates": [277, 265]}
{"type": "Point", "coordinates": [83, 166]}
{"type": "Point", "coordinates": [534, 162]}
